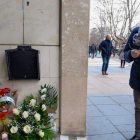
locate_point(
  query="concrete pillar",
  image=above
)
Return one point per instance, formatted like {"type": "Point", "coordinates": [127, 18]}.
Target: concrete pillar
{"type": "Point", "coordinates": [74, 66]}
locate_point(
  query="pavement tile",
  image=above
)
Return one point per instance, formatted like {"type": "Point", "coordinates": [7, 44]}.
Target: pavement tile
{"type": "Point", "coordinates": [117, 85]}
{"type": "Point", "coordinates": [94, 91]}
{"type": "Point", "coordinates": [131, 96]}
{"type": "Point", "coordinates": [90, 86]}
{"type": "Point", "coordinates": [101, 100]}
{"type": "Point", "coordinates": [72, 138]}
{"type": "Point", "coordinates": [123, 99]}
{"type": "Point", "coordinates": [93, 111]}
{"type": "Point", "coordinates": [116, 136]}
{"type": "Point", "coordinates": [112, 110]}
{"type": "Point", "coordinates": [81, 138]}
{"type": "Point", "coordinates": [126, 128]}
{"type": "Point", "coordinates": [129, 107]}
{"type": "Point", "coordinates": [89, 102]}
{"type": "Point", "coordinates": [126, 90]}
{"type": "Point", "coordinates": [99, 125]}
{"type": "Point", "coordinates": [122, 119]}
{"type": "Point", "coordinates": [109, 90]}
{"type": "Point", "coordinates": [64, 137]}
{"type": "Point", "coordinates": [128, 135]}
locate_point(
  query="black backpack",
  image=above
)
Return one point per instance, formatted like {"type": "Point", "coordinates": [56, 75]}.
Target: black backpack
{"type": "Point", "coordinates": [93, 47]}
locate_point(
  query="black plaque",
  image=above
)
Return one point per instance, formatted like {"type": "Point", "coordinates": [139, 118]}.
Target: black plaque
{"type": "Point", "coordinates": [23, 63]}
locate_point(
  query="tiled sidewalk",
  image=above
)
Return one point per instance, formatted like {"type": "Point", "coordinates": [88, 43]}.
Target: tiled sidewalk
{"type": "Point", "coordinates": [110, 102]}
{"type": "Point", "coordinates": [110, 117]}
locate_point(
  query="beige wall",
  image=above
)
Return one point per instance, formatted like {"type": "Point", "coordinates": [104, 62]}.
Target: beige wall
{"type": "Point", "coordinates": [38, 26]}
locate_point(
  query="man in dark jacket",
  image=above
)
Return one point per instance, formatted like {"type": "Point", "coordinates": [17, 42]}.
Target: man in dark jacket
{"type": "Point", "coordinates": [93, 49]}
{"type": "Point", "coordinates": [132, 54]}
{"type": "Point", "coordinates": [106, 48]}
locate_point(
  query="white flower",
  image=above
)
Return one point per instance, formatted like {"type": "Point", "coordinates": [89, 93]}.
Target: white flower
{"type": "Point", "coordinates": [25, 114]}
{"type": "Point", "coordinates": [14, 129]}
{"type": "Point", "coordinates": [37, 116]}
{"type": "Point", "coordinates": [27, 129]}
{"type": "Point", "coordinates": [41, 133]}
{"type": "Point", "coordinates": [43, 107]}
{"type": "Point", "coordinates": [43, 97]}
{"type": "Point", "coordinates": [44, 90]}
{"type": "Point", "coordinates": [16, 111]}
{"type": "Point", "coordinates": [32, 102]}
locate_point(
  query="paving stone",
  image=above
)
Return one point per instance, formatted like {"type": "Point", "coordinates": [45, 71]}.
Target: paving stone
{"type": "Point", "coordinates": [128, 135]}
{"type": "Point", "coordinates": [116, 136]}
{"type": "Point", "coordinates": [129, 107]}
{"type": "Point", "coordinates": [64, 137]}
{"type": "Point", "coordinates": [102, 100]}
{"type": "Point", "coordinates": [111, 69]}
{"type": "Point", "coordinates": [126, 128]}
{"type": "Point", "coordinates": [72, 138]}
{"type": "Point", "coordinates": [122, 119]}
{"type": "Point", "coordinates": [81, 138]}
{"type": "Point", "coordinates": [58, 137]}
{"type": "Point", "coordinates": [123, 99]}
{"type": "Point", "coordinates": [99, 125]}
{"type": "Point", "coordinates": [93, 111]}
{"type": "Point", "coordinates": [132, 96]}
{"type": "Point", "coordinates": [112, 110]}
{"type": "Point", "coordinates": [89, 102]}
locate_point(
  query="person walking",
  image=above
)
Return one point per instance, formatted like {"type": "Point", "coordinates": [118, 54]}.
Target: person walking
{"type": "Point", "coordinates": [121, 55]}
{"type": "Point", "coordinates": [92, 48]}
{"type": "Point", "coordinates": [132, 54]}
{"type": "Point", "coordinates": [106, 48]}
{"type": "Point", "coordinates": [96, 52]}
{"type": "Point", "coordinates": [89, 52]}
{"type": "Point", "coordinates": [114, 49]}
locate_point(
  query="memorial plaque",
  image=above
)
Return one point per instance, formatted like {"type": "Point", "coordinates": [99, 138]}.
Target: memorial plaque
{"type": "Point", "coordinates": [23, 63]}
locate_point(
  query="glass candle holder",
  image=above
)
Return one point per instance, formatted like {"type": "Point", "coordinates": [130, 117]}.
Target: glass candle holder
{"type": "Point", "coordinates": [4, 135]}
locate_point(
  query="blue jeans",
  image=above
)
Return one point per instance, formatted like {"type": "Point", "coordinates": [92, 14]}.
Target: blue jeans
{"type": "Point", "coordinates": [105, 64]}
{"type": "Point", "coordinates": [95, 53]}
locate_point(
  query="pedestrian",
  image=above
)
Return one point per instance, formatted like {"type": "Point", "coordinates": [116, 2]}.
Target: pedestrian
{"type": "Point", "coordinates": [96, 52]}
{"type": "Point", "coordinates": [114, 49]}
{"type": "Point", "coordinates": [93, 48]}
{"type": "Point", "coordinates": [121, 55]}
{"type": "Point", "coordinates": [106, 48]}
{"type": "Point", "coordinates": [132, 54]}
{"type": "Point", "coordinates": [89, 52]}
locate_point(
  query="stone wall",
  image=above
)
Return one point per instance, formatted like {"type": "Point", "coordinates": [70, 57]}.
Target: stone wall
{"type": "Point", "coordinates": [74, 66]}
{"type": "Point", "coordinates": [36, 25]}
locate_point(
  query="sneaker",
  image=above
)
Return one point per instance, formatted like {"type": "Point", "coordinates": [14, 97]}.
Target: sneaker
{"type": "Point", "coordinates": [120, 67]}
{"type": "Point", "coordinates": [135, 138]}
{"type": "Point", "coordinates": [123, 67]}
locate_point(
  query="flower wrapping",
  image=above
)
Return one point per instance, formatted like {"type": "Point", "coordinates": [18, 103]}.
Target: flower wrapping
{"type": "Point", "coordinates": [7, 103]}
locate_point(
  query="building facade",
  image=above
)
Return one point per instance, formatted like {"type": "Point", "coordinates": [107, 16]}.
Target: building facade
{"type": "Point", "coordinates": [59, 29]}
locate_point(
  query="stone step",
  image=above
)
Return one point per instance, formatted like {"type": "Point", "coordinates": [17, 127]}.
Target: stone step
{"type": "Point", "coordinates": [61, 137]}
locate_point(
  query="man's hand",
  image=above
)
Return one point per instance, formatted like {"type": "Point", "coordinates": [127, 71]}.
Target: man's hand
{"type": "Point", "coordinates": [135, 53]}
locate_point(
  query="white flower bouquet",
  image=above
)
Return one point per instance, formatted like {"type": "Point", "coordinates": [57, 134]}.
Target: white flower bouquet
{"type": "Point", "coordinates": [49, 97]}
{"type": "Point", "coordinates": [30, 122]}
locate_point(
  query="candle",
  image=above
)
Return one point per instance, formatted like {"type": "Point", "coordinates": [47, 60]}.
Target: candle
{"type": "Point", "coordinates": [4, 136]}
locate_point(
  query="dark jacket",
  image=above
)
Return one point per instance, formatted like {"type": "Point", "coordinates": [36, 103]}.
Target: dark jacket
{"type": "Point", "coordinates": [93, 48]}
{"type": "Point", "coordinates": [135, 70]}
{"type": "Point", "coordinates": [107, 48]}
